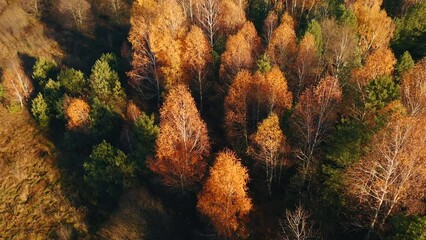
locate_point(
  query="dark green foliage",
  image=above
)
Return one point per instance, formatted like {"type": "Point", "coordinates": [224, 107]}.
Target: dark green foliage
{"type": "Point", "coordinates": [405, 63]}
{"type": "Point", "coordinates": [380, 92]}
{"type": "Point", "coordinates": [72, 81]}
{"type": "Point", "coordinates": [40, 110]}
{"type": "Point", "coordinates": [104, 123]}
{"type": "Point", "coordinates": [257, 13]}
{"type": "Point", "coordinates": [345, 147]}
{"type": "Point", "coordinates": [111, 59]}
{"type": "Point", "coordinates": [314, 28]}
{"type": "Point", "coordinates": [346, 16]}
{"type": "Point", "coordinates": [145, 133]}
{"type": "Point", "coordinates": [264, 64]}
{"type": "Point", "coordinates": [44, 69]}
{"type": "Point", "coordinates": [407, 228]}
{"type": "Point", "coordinates": [410, 33]}
{"type": "Point", "coordinates": [105, 83]}
{"type": "Point", "coordinates": [108, 170]}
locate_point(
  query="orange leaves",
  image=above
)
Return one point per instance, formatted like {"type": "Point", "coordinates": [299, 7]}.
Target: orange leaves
{"type": "Point", "coordinates": [241, 51]}
{"type": "Point", "coordinates": [248, 92]}
{"type": "Point", "coordinates": [231, 16]}
{"type": "Point", "coordinates": [197, 53]}
{"type": "Point", "coordinates": [182, 144]}
{"type": "Point", "coordinates": [224, 199]}
{"type": "Point", "coordinates": [381, 62]}
{"type": "Point", "coordinates": [274, 91]}
{"type": "Point", "coordinates": [77, 112]}
{"type": "Point", "coordinates": [282, 45]}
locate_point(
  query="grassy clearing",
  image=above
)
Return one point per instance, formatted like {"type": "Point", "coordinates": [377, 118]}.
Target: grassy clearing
{"type": "Point", "coordinates": [32, 202]}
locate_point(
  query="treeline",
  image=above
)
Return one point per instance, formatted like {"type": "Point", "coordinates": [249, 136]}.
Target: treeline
{"type": "Point", "coordinates": [322, 98]}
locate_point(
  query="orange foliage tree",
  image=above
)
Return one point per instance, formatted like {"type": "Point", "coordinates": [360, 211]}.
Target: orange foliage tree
{"type": "Point", "coordinates": [197, 55]}
{"type": "Point", "coordinates": [414, 89]}
{"type": "Point", "coordinates": [241, 52]}
{"type": "Point", "coordinates": [269, 147]}
{"type": "Point", "coordinates": [156, 33]}
{"type": "Point", "coordinates": [231, 17]}
{"type": "Point", "coordinates": [224, 199]}
{"type": "Point", "coordinates": [182, 146]}
{"type": "Point", "coordinates": [379, 63]}
{"type": "Point", "coordinates": [77, 112]}
{"type": "Point", "coordinates": [236, 109]}
{"type": "Point", "coordinates": [282, 44]}
{"type": "Point", "coordinates": [255, 96]}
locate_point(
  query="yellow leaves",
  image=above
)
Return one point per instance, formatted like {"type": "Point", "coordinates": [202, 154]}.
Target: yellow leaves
{"type": "Point", "coordinates": [77, 112]}
{"type": "Point", "coordinates": [182, 144]}
{"type": "Point", "coordinates": [374, 26]}
{"type": "Point", "coordinates": [224, 199]}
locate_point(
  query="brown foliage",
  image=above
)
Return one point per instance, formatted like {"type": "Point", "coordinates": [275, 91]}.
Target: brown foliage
{"type": "Point", "coordinates": [236, 108]}
{"type": "Point", "coordinates": [182, 146]}
{"type": "Point", "coordinates": [224, 199]}
{"type": "Point", "coordinates": [156, 32]}
{"type": "Point", "coordinates": [132, 112]}
{"type": "Point", "coordinates": [340, 43]}
{"type": "Point", "coordinates": [75, 14]}
{"type": "Point", "coordinates": [414, 89]}
{"type": "Point", "coordinates": [313, 117]}
{"type": "Point", "coordinates": [207, 15]}
{"type": "Point", "coordinates": [17, 84]}
{"type": "Point", "coordinates": [77, 113]}
{"type": "Point", "coordinates": [307, 62]}
{"type": "Point", "coordinates": [241, 52]}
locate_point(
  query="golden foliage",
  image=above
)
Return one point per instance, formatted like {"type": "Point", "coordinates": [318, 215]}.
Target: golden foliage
{"type": "Point", "coordinates": [231, 17]}
{"type": "Point", "coordinates": [282, 45]}
{"type": "Point", "coordinates": [241, 51]}
{"type": "Point", "coordinates": [269, 147]}
{"type": "Point", "coordinates": [77, 113]}
{"type": "Point", "coordinates": [379, 63]}
{"type": "Point", "coordinates": [182, 145]}
{"type": "Point", "coordinates": [224, 199]}
{"type": "Point", "coordinates": [374, 27]}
